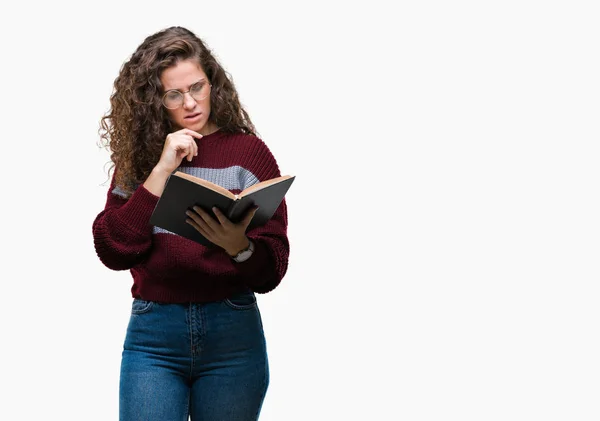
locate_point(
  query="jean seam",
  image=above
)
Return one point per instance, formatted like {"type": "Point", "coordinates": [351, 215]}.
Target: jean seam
{"type": "Point", "coordinates": [189, 317]}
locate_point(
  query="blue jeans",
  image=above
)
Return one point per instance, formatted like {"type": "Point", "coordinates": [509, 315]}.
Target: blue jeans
{"type": "Point", "coordinates": [204, 360]}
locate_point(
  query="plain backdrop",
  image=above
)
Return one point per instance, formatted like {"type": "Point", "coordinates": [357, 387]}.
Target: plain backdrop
{"type": "Point", "coordinates": [443, 223]}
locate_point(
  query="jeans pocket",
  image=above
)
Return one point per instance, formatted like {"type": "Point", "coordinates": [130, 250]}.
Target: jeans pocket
{"type": "Point", "coordinates": [139, 306]}
{"type": "Point", "coordinates": [241, 300]}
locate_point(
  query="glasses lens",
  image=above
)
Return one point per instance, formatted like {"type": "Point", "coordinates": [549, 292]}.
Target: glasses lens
{"type": "Point", "coordinates": [200, 90]}
{"type": "Point", "coordinates": [173, 99]}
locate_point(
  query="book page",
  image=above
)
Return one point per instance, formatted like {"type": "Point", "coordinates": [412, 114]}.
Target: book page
{"type": "Point", "coordinates": [207, 184]}
{"type": "Point", "coordinates": [263, 184]}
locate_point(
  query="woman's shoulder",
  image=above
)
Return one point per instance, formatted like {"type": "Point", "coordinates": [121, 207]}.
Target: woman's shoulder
{"type": "Point", "coordinates": [244, 136]}
{"type": "Point", "coordinates": [250, 141]}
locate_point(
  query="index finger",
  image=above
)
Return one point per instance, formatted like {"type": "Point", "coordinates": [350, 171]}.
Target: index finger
{"type": "Point", "coordinates": [192, 133]}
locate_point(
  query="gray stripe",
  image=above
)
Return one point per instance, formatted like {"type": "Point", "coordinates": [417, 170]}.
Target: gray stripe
{"type": "Point", "coordinates": [158, 230]}
{"type": "Point", "coordinates": [120, 192]}
{"type": "Point", "coordinates": [231, 178]}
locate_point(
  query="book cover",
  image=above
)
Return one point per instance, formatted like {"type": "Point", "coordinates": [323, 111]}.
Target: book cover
{"type": "Point", "coordinates": [183, 191]}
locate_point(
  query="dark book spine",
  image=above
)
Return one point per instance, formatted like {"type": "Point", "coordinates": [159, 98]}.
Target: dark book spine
{"type": "Point", "coordinates": [231, 210]}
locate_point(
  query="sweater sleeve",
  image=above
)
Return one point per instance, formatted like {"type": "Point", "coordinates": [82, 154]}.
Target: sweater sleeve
{"type": "Point", "coordinates": [265, 269]}
{"type": "Point", "coordinates": [122, 232]}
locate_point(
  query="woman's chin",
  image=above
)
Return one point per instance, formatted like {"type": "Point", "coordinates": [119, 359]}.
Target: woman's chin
{"type": "Point", "coordinates": [195, 126]}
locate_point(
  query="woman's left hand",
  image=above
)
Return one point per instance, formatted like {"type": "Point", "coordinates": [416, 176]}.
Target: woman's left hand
{"type": "Point", "coordinates": [224, 233]}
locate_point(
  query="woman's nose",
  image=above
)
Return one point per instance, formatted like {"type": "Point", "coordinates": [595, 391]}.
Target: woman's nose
{"type": "Point", "coordinates": [188, 100]}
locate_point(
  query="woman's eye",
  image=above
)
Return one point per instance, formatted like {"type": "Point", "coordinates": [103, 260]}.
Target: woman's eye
{"type": "Point", "coordinates": [197, 87]}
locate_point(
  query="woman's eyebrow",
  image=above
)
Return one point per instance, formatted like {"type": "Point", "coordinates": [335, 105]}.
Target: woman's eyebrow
{"type": "Point", "coordinates": [174, 89]}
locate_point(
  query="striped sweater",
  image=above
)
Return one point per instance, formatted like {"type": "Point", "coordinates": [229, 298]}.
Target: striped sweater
{"type": "Point", "coordinates": [169, 268]}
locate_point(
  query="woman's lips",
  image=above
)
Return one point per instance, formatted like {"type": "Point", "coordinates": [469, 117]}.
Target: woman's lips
{"type": "Point", "coordinates": [193, 117]}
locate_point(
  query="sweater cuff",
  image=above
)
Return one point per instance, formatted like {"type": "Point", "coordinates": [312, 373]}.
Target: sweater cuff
{"type": "Point", "coordinates": [138, 210]}
{"type": "Point", "coordinates": [252, 267]}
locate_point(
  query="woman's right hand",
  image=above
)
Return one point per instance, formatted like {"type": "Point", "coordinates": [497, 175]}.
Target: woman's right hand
{"type": "Point", "coordinates": [178, 145]}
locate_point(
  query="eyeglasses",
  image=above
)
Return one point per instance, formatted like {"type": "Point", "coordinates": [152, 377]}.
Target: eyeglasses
{"type": "Point", "coordinates": [174, 99]}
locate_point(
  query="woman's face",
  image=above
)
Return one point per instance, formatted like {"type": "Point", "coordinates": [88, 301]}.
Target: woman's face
{"type": "Point", "coordinates": [181, 77]}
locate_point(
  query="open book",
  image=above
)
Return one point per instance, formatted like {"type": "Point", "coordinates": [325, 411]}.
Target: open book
{"type": "Point", "coordinates": [183, 191]}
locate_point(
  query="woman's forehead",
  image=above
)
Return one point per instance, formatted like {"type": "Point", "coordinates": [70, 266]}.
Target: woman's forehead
{"type": "Point", "coordinates": [182, 75]}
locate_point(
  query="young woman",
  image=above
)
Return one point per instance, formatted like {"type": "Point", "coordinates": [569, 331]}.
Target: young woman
{"type": "Point", "coordinates": [195, 344]}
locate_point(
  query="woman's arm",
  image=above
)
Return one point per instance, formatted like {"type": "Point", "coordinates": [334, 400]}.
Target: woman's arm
{"type": "Point", "coordinates": [122, 233]}
{"type": "Point", "coordinates": [264, 270]}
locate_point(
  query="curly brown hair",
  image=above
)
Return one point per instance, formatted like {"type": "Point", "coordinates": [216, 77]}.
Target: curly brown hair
{"type": "Point", "coordinates": [135, 127]}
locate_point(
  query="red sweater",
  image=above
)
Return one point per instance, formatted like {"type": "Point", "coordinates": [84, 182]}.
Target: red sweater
{"type": "Point", "coordinates": [169, 268]}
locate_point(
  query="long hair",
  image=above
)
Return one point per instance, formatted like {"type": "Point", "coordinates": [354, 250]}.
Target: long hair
{"type": "Point", "coordinates": [135, 127]}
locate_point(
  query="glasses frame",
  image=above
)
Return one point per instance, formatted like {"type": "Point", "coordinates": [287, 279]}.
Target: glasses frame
{"type": "Point", "coordinates": [183, 94]}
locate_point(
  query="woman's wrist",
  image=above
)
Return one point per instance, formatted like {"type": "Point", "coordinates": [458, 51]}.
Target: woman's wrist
{"type": "Point", "coordinates": [155, 183]}
{"type": "Point", "coordinates": [234, 251]}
